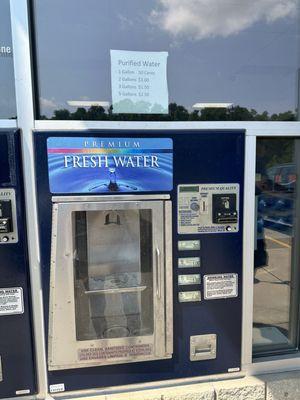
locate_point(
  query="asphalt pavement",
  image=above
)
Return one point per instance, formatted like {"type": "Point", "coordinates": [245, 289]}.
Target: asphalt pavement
{"type": "Point", "coordinates": [272, 291]}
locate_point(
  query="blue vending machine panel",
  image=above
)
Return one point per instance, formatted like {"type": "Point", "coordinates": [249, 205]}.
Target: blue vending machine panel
{"type": "Point", "coordinates": [200, 177]}
{"type": "Point", "coordinates": [17, 368]}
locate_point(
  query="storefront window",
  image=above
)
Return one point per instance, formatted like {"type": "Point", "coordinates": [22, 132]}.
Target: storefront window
{"type": "Point", "coordinates": [7, 88]}
{"type": "Point", "coordinates": [276, 260]}
{"type": "Point", "coordinates": [226, 60]}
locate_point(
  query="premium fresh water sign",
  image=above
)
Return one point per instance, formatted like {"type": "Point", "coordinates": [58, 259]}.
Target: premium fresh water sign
{"type": "Point", "coordinates": [101, 165]}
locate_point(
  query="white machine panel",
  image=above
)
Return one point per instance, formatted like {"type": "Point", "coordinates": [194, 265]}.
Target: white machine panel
{"type": "Point", "coordinates": [208, 208]}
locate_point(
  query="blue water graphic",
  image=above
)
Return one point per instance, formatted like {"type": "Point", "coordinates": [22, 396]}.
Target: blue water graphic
{"type": "Point", "coordinates": [111, 178]}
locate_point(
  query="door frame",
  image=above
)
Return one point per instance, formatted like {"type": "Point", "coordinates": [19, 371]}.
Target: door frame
{"type": "Point", "coordinates": [63, 348]}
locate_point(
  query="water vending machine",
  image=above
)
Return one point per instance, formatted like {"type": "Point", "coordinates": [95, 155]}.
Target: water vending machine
{"type": "Point", "coordinates": [141, 254]}
{"type": "Point", "coordinates": [17, 369]}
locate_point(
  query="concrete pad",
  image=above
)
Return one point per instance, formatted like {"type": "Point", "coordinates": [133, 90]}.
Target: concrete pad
{"type": "Point", "coordinates": [249, 388]}
{"type": "Point", "coordinates": [285, 386]}
{"type": "Point", "coordinates": [186, 392]}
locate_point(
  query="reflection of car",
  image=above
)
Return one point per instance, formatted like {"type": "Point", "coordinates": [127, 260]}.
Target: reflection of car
{"type": "Point", "coordinates": [276, 198]}
{"type": "Point", "coordinates": [275, 193]}
{"type": "Point", "coordinates": [282, 177]}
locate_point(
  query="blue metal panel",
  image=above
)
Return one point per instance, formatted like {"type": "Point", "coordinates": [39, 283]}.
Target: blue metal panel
{"type": "Point", "coordinates": [16, 339]}
{"type": "Point", "coordinates": [199, 157]}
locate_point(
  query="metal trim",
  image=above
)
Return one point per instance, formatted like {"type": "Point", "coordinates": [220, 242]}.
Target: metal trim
{"type": "Point", "coordinates": [253, 128]}
{"type": "Point", "coordinates": [62, 352]}
{"type": "Point", "coordinates": [8, 123]}
{"type": "Point", "coordinates": [117, 197]}
{"type": "Point", "coordinates": [25, 121]}
{"type": "Point", "coordinates": [168, 383]}
{"type": "Point", "coordinates": [274, 364]}
{"type": "Point", "coordinates": [168, 279]}
{"type": "Point", "coordinates": [248, 249]}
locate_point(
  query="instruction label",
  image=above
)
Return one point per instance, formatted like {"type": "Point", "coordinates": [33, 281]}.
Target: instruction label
{"type": "Point", "coordinates": [220, 286]}
{"type": "Point", "coordinates": [11, 301]}
{"type": "Point", "coordinates": [114, 352]}
{"type": "Point", "coordinates": [208, 208]}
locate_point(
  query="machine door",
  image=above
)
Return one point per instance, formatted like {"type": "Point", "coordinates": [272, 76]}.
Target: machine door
{"type": "Point", "coordinates": [108, 293]}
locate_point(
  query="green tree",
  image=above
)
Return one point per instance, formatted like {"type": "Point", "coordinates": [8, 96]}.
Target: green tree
{"type": "Point", "coordinates": [214, 114]}
{"type": "Point", "coordinates": [61, 114]}
{"type": "Point", "coordinates": [80, 114]}
{"type": "Point", "coordinates": [178, 113]}
{"type": "Point", "coordinates": [285, 116]}
{"type": "Point", "coordinates": [96, 113]}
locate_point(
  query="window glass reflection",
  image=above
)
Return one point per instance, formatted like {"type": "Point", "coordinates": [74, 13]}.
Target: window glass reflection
{"type": "Point", "coordinates": [276, 258]}
{"type": "Point", "coordinates": [7, 90]}
{"type": "Point", "coordinates": [244, 54]}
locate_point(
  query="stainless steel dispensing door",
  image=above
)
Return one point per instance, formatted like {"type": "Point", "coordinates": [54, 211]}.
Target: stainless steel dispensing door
{"type": "Point", "coordinates": [111, 283]}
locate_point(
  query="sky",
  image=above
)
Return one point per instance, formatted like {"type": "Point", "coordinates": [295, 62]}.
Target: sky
{"type": "Point", "coordinates": [244, 52]}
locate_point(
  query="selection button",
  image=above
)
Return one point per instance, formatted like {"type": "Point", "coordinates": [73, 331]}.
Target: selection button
{"type": "Point", "coordinates": [188, 262]}
{"type": "Point", "coordinates": [188, 245]}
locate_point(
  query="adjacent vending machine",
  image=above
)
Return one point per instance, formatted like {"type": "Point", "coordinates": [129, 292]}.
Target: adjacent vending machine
{"type": "Point", "coordinates": [17, 368]}
{"type": "Point", "coordinates": [141, 254]}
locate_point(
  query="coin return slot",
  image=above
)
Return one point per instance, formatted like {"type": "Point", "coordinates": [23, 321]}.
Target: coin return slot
{"type": "Point", "coordinates": [200, 350]}
{"type": "Point", "coordinates": [203, 347]}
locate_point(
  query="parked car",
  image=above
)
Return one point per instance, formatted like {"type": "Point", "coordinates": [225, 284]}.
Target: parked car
{"type": "Point", "coordinates": [282, 177]}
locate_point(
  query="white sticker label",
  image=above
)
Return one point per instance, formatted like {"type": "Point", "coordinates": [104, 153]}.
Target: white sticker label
{"type": "Point", "coordinates": [220, 286]}
{"type": "Point", "coordinates": [11, 301]}
{"type": "Point", "coordinates": [22, 391]}
{"type": "Point", "coordinates": [237, 369]}
{"type": "Point", "coordinates": [139, 82]}
{"type": "Point", "coordinates": [59, 387]}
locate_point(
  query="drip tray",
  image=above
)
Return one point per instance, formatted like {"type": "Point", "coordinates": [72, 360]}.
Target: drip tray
{"type": "Point", "coordinates": [116, 332]}
{"type": "Point", "coordinates": [119, 327]}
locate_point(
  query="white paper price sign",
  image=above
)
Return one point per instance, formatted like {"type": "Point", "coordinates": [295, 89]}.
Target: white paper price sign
{"type": "Point", "coordinates": [139, 82]}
